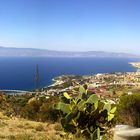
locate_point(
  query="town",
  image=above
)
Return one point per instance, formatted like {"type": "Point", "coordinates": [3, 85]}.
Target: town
{"type": "Point", "coordinates": [105, 85]}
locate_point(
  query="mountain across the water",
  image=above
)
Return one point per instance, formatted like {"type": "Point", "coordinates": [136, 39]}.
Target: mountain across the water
{"type": "Point", "coordinates": [9, 51]}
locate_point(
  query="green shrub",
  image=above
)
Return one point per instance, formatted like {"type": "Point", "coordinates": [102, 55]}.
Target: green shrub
{"type": "Point", "coordinates": [128, 111]}
{"type": "Point", "coordinates": [48, 113]}
{"type": "Point", "coordinates": [31, 110]}
{"type": "Point", "coordinates": [30, 107]}
{"type": "Point", "coordinates": [41, 110]}
{"type": "Point", "coordinates": [47, 110]}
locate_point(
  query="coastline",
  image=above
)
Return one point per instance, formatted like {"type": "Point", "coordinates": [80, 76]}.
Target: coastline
{"type": "Point", "coordinates": [66, 82]}
{"type": "Point", "coordinates": [60, 80]}
{"type": "Point", "coordinates": [135, 64]}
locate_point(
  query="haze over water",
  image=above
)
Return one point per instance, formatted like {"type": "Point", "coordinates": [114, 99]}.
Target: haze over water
{"type": "Point", "coordinates": [19, 72]}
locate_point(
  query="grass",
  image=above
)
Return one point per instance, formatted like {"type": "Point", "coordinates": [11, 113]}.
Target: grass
{"type": "Point", "coordinates": [20, 137]}
{"type": "Point", "coordinates": [21, 129]}
{"type": "Point", "coordinates": [12, 128]}
{"type": "Point", "coordinates": [39, 128]}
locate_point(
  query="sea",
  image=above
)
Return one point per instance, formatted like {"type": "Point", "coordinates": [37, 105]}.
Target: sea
{"type": "Point", "coordinates": [19, 73]}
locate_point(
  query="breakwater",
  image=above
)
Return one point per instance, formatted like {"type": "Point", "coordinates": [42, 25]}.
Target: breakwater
{"type": "Point", "coordinates": [14, 92]}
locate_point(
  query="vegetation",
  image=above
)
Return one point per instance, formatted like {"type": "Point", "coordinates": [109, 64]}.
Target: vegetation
{"type": "Point", "coordinates": [12, 128]}
{"type": "Point", "coordinates": [86, 114]}
{"type": "Point", "coordinates": [80, 115]}
{"type": "Point", "coordinates": [128, 111]}
{"type": "Point", "coordinates": [30, 107]}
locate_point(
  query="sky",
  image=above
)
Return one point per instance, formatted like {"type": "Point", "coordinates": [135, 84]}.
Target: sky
{"type": "Point", "coordinates": [71, 25]}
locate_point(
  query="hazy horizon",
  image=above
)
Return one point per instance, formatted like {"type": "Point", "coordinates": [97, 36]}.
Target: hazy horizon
{"type": "Point", "coordinates": [6, 47]}
{"type": "Point", "coordinates": [71, 25]}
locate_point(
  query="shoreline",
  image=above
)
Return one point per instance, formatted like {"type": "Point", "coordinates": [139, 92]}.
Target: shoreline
{"type": "Point", "coordinates": [58, 80]}
{"type": "Point", "coordinates": [135, 64]}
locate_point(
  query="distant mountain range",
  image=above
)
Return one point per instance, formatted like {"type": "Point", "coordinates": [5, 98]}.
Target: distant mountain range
{"type": "Point", "coordinates": [7, 51]}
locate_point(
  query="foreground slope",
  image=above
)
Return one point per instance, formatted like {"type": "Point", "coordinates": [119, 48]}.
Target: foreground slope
{"type": "Point", "coordinates": [12, 128]}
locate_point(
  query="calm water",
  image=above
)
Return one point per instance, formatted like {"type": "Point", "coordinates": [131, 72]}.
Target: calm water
{"type": "Point", "coordinates": [19, 73]}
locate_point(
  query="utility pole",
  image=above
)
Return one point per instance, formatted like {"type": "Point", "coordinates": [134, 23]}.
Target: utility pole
{"type": "Point", "coordinates": [37, 77]}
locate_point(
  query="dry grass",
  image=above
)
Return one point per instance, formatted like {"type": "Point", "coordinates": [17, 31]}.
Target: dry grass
{"type": "Point", "coordinates": [21, 129]}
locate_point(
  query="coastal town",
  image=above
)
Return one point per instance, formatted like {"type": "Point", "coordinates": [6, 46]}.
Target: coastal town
{"type": "Point", "coordinates": [109, 85]}
{"type": "Point", "coordinates": [102, 84]}
{"type": "Point", "coordinates": [105, 85]}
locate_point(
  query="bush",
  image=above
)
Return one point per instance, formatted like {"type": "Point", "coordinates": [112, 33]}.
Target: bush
{"type": "Point", "coordinates": [31, 110]}
{"type": "Point", "coordinates": [29, 107]}
{"type": "Point", "coordinates": [128, 111]}
{"type": "Point", "coordinates": [41, 110]}
{"type": "Point", "coordinates": [48, 113]}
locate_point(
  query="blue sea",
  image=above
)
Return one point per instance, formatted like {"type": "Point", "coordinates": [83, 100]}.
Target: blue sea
{"type": "Point", "coordinates": [19, 72]}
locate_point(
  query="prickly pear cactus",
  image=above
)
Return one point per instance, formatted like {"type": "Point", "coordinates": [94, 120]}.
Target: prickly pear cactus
{"type": "Point", "coordinates": [86, 113]}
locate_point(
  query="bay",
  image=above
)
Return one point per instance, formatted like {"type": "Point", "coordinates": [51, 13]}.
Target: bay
{"type": "Point", "coordinates": [18, 73]}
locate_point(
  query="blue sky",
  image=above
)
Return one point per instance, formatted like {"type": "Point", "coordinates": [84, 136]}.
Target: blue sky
{"type": "Point", "coordinates": [71, 25]}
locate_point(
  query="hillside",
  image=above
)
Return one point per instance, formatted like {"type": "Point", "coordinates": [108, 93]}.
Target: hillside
{"type": "Point", "coordinates": [12, 128]}
{"type": "Point", "coordinates": [7, 51]}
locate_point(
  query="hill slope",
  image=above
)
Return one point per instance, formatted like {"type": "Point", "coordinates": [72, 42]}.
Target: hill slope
{"type": "Point", "coordinates": [12, 128]}
{"type": "Point", "coordinates": [7, 51]}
